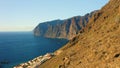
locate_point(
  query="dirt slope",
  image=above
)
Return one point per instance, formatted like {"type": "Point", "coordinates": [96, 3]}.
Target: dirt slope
{"type": "Point", "coordinates": [96, 46]}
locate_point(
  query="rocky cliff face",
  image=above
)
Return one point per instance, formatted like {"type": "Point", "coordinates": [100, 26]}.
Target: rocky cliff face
{"type": "Point", "coordinates": [96, 46]}
{"type": "Point", "coordinates": [67, 28]}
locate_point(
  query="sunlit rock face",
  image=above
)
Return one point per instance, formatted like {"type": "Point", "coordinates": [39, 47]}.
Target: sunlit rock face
{"type": "Point", "coordinates": [96, 46]}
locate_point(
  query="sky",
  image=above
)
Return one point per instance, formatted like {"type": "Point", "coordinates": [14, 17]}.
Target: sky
{"type": "Point", "coordinates": [25, 15]}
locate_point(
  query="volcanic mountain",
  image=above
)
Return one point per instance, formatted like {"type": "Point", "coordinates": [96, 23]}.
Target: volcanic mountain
{"type": "Point", "coordinates": [66, 29]}
{"type": "Point", "coordinates": [95, 46]}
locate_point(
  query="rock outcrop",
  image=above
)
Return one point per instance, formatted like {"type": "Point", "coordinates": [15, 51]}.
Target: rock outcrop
{"type": "Point", "coordinates": [96, 46]}
{"type": "Point", "coordinates": [66, 29]}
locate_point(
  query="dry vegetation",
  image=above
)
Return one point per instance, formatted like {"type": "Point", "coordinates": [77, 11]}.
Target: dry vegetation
{"type": "Point", "coordinates": [97, 46]}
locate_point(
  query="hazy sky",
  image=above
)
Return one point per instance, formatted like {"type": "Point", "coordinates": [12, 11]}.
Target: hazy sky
{"type": "Point", "coordinates": [24, 15]}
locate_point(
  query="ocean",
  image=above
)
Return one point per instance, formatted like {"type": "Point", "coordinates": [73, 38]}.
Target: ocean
{"type": "Point", "coordinates": [19, 47]}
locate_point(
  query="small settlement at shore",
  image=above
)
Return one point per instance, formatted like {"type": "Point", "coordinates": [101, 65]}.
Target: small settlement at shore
{"type": "Point", "coordinates": [36, 61]}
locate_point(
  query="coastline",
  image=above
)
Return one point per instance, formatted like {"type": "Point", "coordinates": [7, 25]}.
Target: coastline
{"type": "Point", "coordinates": [36, 61]}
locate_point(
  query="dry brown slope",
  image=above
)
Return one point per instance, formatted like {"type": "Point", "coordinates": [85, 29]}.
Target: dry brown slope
{"type": "Point", "coordinates": [97, 46]}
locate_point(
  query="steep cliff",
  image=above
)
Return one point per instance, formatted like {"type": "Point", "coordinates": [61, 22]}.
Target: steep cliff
{"type": "Point", "coordinates": [96, 46]}
{"type": "Point", "coordinates": [67, 28]}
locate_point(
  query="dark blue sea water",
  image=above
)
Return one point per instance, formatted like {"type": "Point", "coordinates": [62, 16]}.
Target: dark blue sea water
{"type": "Point", "coordinates": [19, 47]}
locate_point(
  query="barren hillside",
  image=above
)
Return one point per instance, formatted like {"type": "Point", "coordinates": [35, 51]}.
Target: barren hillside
{"type": "Point", "coordinates": [96, 46]}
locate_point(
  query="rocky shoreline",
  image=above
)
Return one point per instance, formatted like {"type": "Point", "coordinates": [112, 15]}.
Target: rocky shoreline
{"type": "Point", "coordinates": [36, 61]}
